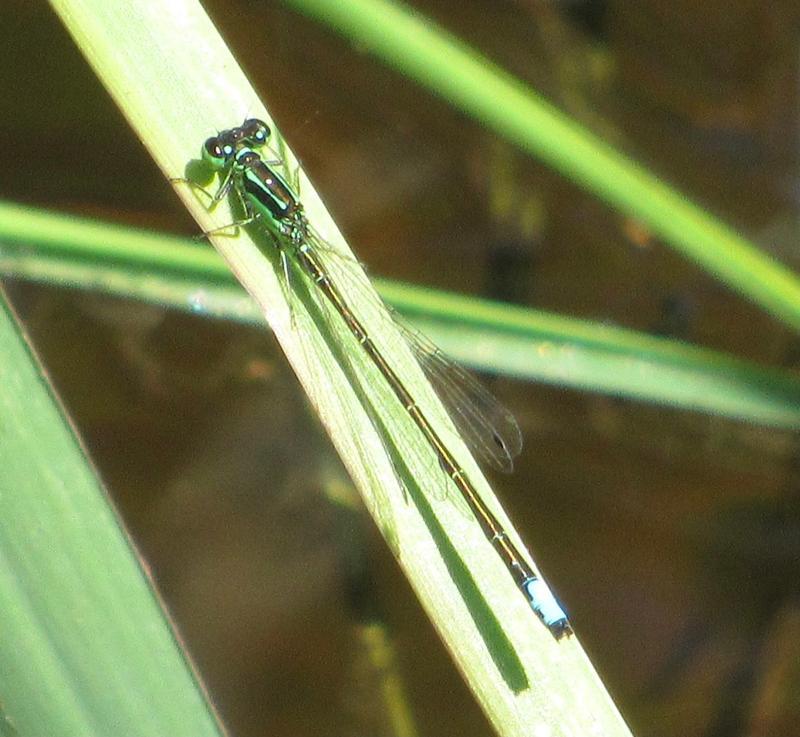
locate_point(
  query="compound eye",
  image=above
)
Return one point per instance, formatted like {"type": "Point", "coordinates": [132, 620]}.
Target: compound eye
{"type": "Point", "coordinates": [256, 131]}
{"type": "Point", "coordinates": [212, 150]}
{"type": "Point", "coordinates": [217, 152]}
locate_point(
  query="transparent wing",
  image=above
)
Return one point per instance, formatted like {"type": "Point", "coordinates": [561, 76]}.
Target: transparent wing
{"type": "Point", "coordinates": [486, 426]}
{"type": "Point", "coordinates": [411, 448]}
{"type": "Point", "coordinates": [321, 364]}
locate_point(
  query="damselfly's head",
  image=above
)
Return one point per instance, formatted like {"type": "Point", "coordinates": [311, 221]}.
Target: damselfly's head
{"type": "Point", "coordinates": [252, 133]}
{"type": "Point", "coordinates": [221, 149]}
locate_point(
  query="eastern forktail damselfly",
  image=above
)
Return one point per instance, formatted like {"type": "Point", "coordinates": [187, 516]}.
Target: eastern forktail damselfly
{"type": "Point", "coordinates": [487, 427]}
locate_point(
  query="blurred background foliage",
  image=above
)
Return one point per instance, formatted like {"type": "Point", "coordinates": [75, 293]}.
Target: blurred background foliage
{"type": "Point", "coordinates": [672, 537]}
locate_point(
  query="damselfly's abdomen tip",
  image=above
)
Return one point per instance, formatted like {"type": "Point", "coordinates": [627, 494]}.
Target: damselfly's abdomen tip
{"type": "Point", "coordinates": [546, 606]}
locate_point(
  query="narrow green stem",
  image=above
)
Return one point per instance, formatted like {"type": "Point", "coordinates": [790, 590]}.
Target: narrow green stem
{"type": "Point", "coordinates": [506, 105]}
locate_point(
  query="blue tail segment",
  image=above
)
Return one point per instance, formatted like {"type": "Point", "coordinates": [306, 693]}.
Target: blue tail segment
{"type": "Point", "coordinates": [546, 606]}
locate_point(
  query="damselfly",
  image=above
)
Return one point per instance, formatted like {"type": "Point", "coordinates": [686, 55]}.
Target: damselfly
{"type": "Point", "coordinates": [487, 427]}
